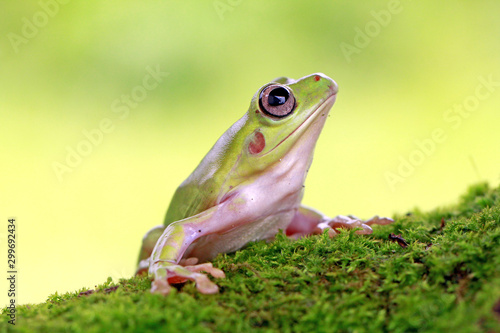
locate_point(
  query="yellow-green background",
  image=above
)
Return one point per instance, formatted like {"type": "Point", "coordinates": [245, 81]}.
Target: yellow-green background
{"type": "Point", "coordinates": [76, 232]}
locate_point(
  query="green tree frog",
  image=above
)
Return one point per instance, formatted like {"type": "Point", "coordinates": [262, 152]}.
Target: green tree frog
{"type": "Point", "coordinates": [248, 187]}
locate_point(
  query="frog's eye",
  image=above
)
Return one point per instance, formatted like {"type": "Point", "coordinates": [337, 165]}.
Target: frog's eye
{"type": "Point", "coordinates": [277, 101]}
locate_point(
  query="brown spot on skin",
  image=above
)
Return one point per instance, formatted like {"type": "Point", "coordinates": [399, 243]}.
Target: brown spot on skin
{"type": "Point", "coordinates": [257, 144]}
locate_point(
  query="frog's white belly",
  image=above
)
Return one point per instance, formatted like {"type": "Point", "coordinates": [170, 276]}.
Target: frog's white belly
{"type": "Point", "coordinates": [207, 247]}
{"type": "Point", "coordinates": [268, 204]}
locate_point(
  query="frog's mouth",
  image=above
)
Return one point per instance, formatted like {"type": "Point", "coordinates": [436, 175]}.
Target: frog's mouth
{"type": "Point", "coordinates": [326, 105]}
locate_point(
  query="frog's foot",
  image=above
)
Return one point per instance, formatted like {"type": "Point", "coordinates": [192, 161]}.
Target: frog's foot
{"type": "Point", "coordinates": [143, 267]}
{"type": "Point", "coordinates": [351, 222]}
{"type": "Point", "coordinates": [166, 272]}
{"type": "Point", "coordinates": [308, 221]}
{"type": "Point", "coordinates": [189, 261]}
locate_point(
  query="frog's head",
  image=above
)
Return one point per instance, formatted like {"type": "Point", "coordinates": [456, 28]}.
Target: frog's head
{"type": "Point", "coordinates": [286, 113]}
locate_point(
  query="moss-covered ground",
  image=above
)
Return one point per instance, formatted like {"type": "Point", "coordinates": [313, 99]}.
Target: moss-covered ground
{"type": "Point", "coordinates": [447, 279]}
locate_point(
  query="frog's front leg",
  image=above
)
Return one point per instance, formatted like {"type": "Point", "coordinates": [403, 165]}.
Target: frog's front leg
{"type": "Point", "coordinates": [166, 272]}
{"type": "Point", "coordinates": [308, 221]}
{"type": "Point", "coordinates": [165, 261]}
{"type": "Point", "coordinates": [148, 244]}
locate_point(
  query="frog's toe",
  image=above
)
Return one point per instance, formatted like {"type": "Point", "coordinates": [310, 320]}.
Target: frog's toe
{"type": "Point", "coordinates": [143, 267]}
{"type": "Point", "coordinates": [207, 267]}
{"type": "Point", "coordinates": [322, 226]}
{"type": "Point", "coordinates": [204, 285]}
{"type": "Point", "coordinates": [189, 261]}
{"type": "Point", "coordinates": [379, 220]}
{"type": "Point", "coordinates": [353, 222]}
{"type": "Point", "coordinates": [160, 287]}
{"type": "Point", "coordinates": [347, 222]}
{"type": "Point", "coordinates": [365, 229]}
{"type": "Point", "coordinates": [166, 273]}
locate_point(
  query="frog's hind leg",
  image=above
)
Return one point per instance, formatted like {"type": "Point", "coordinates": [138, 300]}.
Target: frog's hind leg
{"type": "Point", "coordinates": [305, 222]}
{"type": "Point", "coordinates": [148, 244]}
{"type": "Point", "coordinates": [308, 221]}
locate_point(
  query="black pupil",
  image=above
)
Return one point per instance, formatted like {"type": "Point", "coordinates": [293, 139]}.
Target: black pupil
{"type": "Point", "coordinates": [278, 97]}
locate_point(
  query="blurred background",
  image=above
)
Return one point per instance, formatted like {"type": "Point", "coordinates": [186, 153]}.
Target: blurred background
{"type": "Point", "coordinates": [107, 106]}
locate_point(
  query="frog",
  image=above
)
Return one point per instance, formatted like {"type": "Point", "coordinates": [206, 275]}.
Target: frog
{"type": "Point", "coordinates": [247, 188]}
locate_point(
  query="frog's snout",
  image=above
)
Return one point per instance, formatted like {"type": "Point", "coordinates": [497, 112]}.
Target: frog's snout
{"type": "Point", "coordinates": [334, 89]}
{"type": "Point", "coordinates": [332, 85]}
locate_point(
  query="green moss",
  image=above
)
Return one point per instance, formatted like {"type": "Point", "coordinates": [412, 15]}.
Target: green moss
{"type": "Point", "coordinates": [447, 279]}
